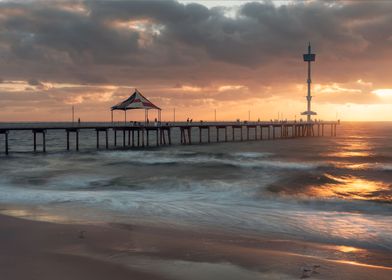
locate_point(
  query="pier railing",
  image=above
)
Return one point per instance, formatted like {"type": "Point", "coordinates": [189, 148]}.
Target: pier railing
{"type": "Point", "coordinates": [137, 134]}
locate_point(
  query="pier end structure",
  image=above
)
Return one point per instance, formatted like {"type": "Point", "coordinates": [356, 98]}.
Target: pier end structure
{"type": "Point", "coordinates": [309, 58]}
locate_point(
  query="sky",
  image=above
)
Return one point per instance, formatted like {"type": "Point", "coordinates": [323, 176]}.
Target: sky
{"type": "Point", "coordinates": [239, 58]}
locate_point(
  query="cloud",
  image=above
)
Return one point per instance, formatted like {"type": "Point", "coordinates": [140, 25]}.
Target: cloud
{"type": "Point", "coordinates": [155, 44]}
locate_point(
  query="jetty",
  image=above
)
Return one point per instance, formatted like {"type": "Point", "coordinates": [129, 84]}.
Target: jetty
{"type": "Point", "coordinates": [128, 135]}
{"type": "Point", "coordinates": [142, 135]}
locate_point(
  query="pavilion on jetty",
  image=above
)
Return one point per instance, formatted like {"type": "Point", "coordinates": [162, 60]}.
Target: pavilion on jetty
{"type": "Point", "coordinates": [137, 134]}
{"type": "Point", "coordinates": [136, 102]}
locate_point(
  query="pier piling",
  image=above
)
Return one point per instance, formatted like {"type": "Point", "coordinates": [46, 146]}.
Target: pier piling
{"type": "Point", "coordinates": [42, 132]}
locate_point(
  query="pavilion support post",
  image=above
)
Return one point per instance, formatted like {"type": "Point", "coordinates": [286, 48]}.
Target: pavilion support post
{"type": "Point", "coordinates": [129, 137]}
{"type": "Point", "coordinates": [143, 137]}
{"type": "Point", "coordinates": [157, 134]}
{"type": "Point", "coordinates": [209, 134]}
{"type": "Point", "coordinates": [138, 137]}
{"type": "Point", "coordinates": [133, 138]}
{"type": "Point", "coordinates": [169, 134]}
{"type": "Point", "coordinates": [115, 137]}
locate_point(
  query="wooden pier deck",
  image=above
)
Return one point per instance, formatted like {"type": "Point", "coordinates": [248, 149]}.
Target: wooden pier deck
{"type": "Point", "coordinates": [134, 135]}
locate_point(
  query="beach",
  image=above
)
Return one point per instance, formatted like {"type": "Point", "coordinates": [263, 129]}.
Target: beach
{"type": "Point", "coordinates": [41, 250]}
{"type": "Point", "coordinates": [315, 208]}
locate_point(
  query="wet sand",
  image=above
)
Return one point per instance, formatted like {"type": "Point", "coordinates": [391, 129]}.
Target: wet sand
{"type": "Point", "coordinates": [42, 250]}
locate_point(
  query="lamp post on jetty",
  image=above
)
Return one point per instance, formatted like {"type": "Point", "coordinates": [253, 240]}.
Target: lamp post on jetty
{"type": "Point", "coordinates": [309, 57]}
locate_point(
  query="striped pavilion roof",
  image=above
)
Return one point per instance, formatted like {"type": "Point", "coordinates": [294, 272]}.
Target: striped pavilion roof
{"type": "Point", "coordinates": [135, 101]}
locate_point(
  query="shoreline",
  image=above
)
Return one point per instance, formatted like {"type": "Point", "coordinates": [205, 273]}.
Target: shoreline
{"type": "Point", "coordinates": [44, 250]}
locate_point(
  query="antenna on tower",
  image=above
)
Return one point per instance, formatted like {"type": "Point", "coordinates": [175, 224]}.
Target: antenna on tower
{"type": "Point", "coordinates": [309, 57]}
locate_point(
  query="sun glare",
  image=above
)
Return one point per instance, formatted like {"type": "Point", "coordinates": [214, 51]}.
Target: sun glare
{"type": "Point", "coordinates": [384, 92]}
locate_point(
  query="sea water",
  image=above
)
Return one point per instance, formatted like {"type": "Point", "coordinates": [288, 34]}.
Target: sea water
{"type": "Point", "coordinates": [334, 190]}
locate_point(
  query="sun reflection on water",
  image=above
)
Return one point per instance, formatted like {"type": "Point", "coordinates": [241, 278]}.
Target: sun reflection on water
{"type": "Point", "coordinates": [351, 187]}
{"type": "Point", "coordinates": [34, 215]}
{"type": "Point", "coordinates": [352, 149]}
{"type": "Point", "coordinates": [348, 249]}
{"type": "Point", "coordinates": [353, 166]}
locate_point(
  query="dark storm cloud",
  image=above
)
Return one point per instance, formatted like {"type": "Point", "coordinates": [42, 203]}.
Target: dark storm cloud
{"type": "Point", "coordinates": [169, 42]}
{"type": "Point", "coordinates": [259, 33]}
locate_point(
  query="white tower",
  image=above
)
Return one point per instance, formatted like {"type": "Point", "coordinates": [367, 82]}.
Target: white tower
{"type": "Point", "coordinates": [309, 57]}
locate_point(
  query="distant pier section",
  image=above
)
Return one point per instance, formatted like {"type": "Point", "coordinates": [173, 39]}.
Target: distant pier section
{"type": "Point", "coordinates": [141, 135]}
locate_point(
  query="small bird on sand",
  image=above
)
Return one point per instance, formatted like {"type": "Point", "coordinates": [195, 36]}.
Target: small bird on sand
{"type": "Point", "coordinates": [82, 234]}
{"type": "Point", "coordinates": [309, 270]}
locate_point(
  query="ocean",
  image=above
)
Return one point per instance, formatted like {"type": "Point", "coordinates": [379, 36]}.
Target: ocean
{"type": "Point", "coordinates": [331, 190]}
